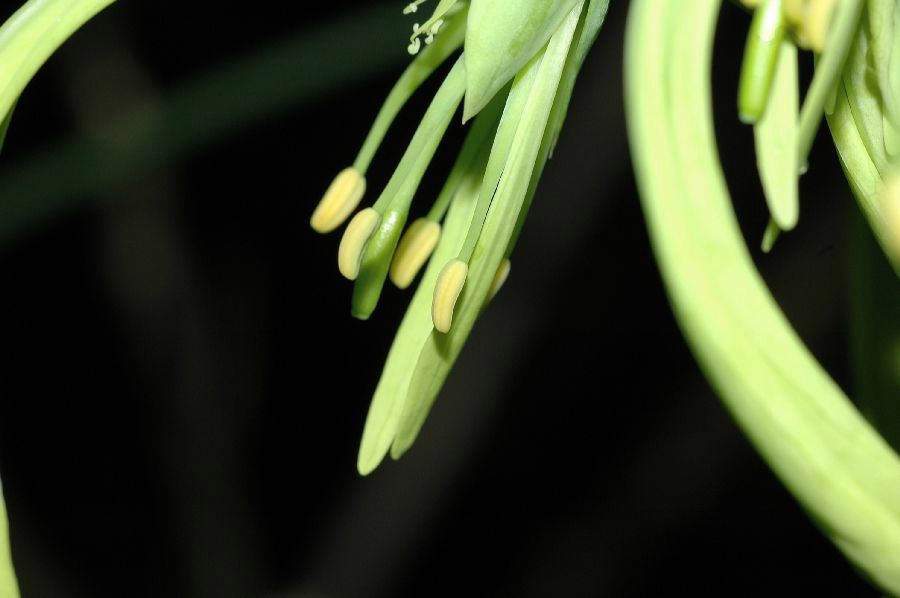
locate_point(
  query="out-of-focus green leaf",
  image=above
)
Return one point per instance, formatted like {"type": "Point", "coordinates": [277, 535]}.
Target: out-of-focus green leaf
{"type": "Point", "coordinates": [32, 34]}
{"type": "Point", "coordinates": [776, 142]}
{"type": "Point", "coordinates": [824, 451]}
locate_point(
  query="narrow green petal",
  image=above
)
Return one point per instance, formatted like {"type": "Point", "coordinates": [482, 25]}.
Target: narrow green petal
{"type": "Point", "coordinates": [516, 102]}
{"type": "Point", "coordinates": [593, 22]}
{"type": "Point", "coordinates": [390, 395]}
{"type": "Point", "coordinates": [32, 34]}
{"type": "Point", "coordinates": [825, 452]}
{"type": "Point", "coordinates": [776, 142]}
{"type": "Point", "coordinates": [501, 37]}
{"type": "Point", "coordinates": [441, 350]}
{"type": "Point", "coordinates": [828, 71]}
{"type": "Point", "coordinates": [861, 171]}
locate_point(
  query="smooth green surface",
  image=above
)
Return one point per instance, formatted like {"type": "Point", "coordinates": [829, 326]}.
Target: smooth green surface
{"type": "Point", "coordinates": [776, 142]}
{"type": "Point", "coordinates": [828, 71]}
{"type": "Point", "coordinates": [482, 131]}
{"type": "Point", "coordinates": [825, 452]}
{"type": "Point", "coordinates": [32, 34]}
{"type": "Point", "coordinates": [593, 21]}
{"type": "Point", "coordinates": [860, 122]}
{"type": "Point", "coordinates": [501, 38]}
{"type": "Point", "coordinates": [761, 57]}
{"type": "Point", "coordinates": [440, 351]}
{"type": "Point", "coordinates": [390, 395]}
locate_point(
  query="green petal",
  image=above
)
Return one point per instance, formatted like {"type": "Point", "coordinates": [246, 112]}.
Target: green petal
{"type": "Point", "coordinates": [841, 35]}
{"type": "Point", "coordinates": [824, 451]}
{"type": "Point", "coordinates": [776, 142]}
{"type": "Point", "coordinates": [390, 395]}
{"type": "Point", "coordinates": [32, 34]}
{"type": "Point", "coordinates": [857, 123]}
{"type": "Point", "coordinates": [441, 350]}
{"type": "Point", "coordinates": [501, 37]}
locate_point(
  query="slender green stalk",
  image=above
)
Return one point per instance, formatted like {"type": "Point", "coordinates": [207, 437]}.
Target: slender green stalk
{"type": "Point", "coordinates": [824, 451]}
{"type": "Point", "coordinates": [32, 34]}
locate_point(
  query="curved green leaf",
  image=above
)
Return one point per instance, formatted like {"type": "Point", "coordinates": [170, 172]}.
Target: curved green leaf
{"type": "Point", "coordinates": [823, 450]}
{"type": "Point", "coordinates": [32, 34]}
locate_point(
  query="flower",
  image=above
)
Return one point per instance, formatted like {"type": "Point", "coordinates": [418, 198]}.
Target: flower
{"type": "Point", "coordinates": [514, 79]}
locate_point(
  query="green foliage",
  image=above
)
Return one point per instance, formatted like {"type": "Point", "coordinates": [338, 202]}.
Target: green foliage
{"type": "Point", "coordinates": [825, 452]}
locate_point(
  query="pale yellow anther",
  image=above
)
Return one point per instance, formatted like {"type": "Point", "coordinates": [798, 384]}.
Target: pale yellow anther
{"type": "Point", "coordinates": [449, 285]}
{"type": "Point", "coordinates": [794, 11]}
{"type": "Point", "coordinates": [750, 3]}
{"type": "Point", "coordinates": [816, 21]}
{"type": "Point", "coordinates": [355, 240]}
{"type": "Point", "coordinates": [891, 199]}
{"type": "Point", "coordinates": [811, 20]}
{"type": "Point", "coordinates": [413, 251]}
{"type": "Point", "coordinates": [339, 201]}
{"type": "Point", "coordinates": [499, 278]}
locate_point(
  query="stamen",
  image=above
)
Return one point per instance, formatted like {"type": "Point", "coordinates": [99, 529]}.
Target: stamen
{"type": "Point", "coordinates": [429, 28]}
{"type": "Point", "coordinates": [816, 23]}
{"type": "Point", "coordinates": [499, 278]}
{"type": "Point", "coordinates": [339, 201]}
{"type": "Point", "coordinates": [413, 6]}
{"type": "Point", "coordinates": [355, 240]}
{"type": "Point", "coordinates": [413, 251]}
{"type": "Point", "coordinates": [449, 285]}
{"type": "Point", "coordinates": [417, 244]}
{"type": "Point", "coordinates": [397, 196]}
{"type": "Point", "coordinates": [412, 78]}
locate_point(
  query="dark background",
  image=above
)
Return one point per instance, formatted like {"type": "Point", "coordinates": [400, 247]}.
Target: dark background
{"type": "Point", "coordinates": [183, 389]}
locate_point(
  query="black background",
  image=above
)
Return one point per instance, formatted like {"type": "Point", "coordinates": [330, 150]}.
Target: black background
{"type": "Point", "coordinates": [183, 388]}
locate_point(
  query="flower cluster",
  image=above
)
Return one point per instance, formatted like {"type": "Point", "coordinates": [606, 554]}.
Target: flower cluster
{"type": "Point", "coordinates": [513, 79]}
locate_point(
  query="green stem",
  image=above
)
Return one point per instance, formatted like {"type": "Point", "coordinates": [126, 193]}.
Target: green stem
{"type": "Point", "coordinates": [31, 35]}
{"type": "Point", "coordinates": [810, 434]}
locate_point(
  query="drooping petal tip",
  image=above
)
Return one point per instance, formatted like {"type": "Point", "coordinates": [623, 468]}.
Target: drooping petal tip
{"type": "Point", "coordinates": [354, 242]}
{"type": "Point", "coordinates": [340, 199]}
{"type": "Point", "coordinates": [449, 285]}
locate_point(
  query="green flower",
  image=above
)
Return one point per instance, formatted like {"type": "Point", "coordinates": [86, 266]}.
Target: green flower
{"type": "Point", "coordinates": [843, 472]}
{"type": "Point", "coordinates": [514, 78]}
